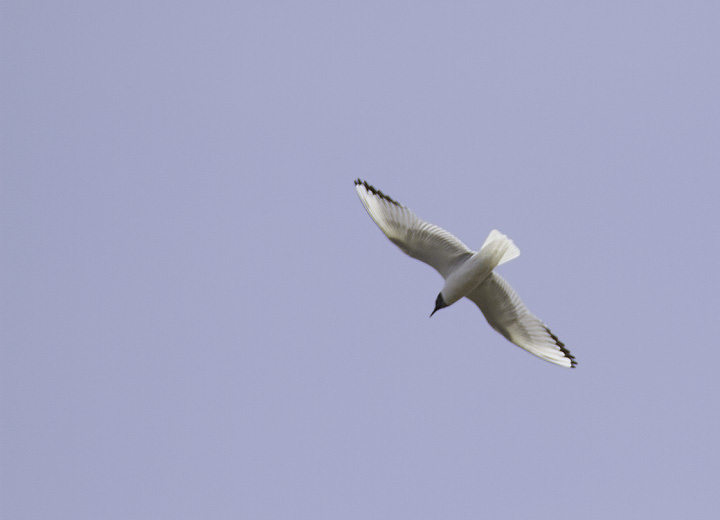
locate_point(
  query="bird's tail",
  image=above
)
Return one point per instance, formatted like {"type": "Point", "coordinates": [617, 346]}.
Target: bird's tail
{"type": "Point", "coordinates": [499, 245]}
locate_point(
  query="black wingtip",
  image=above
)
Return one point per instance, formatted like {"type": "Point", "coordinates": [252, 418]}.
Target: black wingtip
{"type": "Point", "coordinates": [376, 192]}
{"type": "Point", "coordinates": [562, 348]}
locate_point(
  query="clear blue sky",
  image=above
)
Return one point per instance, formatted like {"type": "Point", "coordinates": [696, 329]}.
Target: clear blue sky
{"type": "Point", "coordinates": [199, 319]}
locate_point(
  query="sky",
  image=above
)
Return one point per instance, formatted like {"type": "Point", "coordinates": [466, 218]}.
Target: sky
{"type": "Point", "coordinates": [199, 319]}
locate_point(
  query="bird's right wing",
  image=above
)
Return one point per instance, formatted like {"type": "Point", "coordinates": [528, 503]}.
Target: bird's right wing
{"type": "Point", "coordinates": [415, 237]}
{"type": "Point", "coordinates": [507, 314]}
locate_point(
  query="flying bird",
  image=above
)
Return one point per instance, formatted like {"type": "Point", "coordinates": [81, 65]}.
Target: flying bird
{"type": "Point", "coordinates": [467, 273]}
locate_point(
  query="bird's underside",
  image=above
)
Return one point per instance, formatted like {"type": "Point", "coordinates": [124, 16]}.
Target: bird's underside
{"type": "Point", "coordinates": [499, 303]}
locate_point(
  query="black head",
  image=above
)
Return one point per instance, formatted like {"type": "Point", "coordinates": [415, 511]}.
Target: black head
{"type": "Point", "coordinates": [439, 304]}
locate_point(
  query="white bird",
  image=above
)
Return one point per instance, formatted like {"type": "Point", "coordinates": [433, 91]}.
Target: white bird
{"type": "Point", "coordinates": [467, 273]}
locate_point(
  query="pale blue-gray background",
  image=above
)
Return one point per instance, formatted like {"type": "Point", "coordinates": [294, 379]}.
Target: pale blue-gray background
{"type": "Point", "coordinates": [199, 320]}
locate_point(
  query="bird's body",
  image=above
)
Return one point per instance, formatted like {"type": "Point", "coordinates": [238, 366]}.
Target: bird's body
{"type": "Point", "coordinates": [467, 273]}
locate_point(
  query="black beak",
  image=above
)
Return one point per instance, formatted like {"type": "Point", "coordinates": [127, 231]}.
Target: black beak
{"type": "Point", "coordinates": [439, 304]}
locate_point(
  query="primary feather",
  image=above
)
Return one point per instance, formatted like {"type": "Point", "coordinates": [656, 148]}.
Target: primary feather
{"type": "Point", "coordinates": [507, 314]}
{"type": "Point", "coordinates": [426, 242]}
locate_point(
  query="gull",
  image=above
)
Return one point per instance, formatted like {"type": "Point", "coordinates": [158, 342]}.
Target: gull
{"type": "Point", "coordinates": [467, 273]}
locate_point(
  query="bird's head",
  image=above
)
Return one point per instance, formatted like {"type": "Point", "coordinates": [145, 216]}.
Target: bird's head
{"type": "Point", "coordinates": [439, 304]}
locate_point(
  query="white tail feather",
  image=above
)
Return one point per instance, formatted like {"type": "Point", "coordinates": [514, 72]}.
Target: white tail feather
{"type": "Point", "coordinates": [511, 250]}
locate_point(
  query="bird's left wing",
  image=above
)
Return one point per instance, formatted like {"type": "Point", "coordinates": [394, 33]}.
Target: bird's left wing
{"type": "Point", "coordinates": [415, 237]}
{"type": "Point", "coordinates": [507, 314]}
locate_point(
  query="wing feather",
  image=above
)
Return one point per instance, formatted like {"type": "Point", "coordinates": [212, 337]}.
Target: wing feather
{"type": "Point", "coordinates": [415, 237]}
{"type": "Point", "coordinates": [507, 314]}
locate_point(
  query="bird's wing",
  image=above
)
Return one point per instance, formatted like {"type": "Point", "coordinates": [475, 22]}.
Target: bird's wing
{"type": "Point", "coordinates": [507, 314]}
{"type": "Point", "coordinates": [415, 237]}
